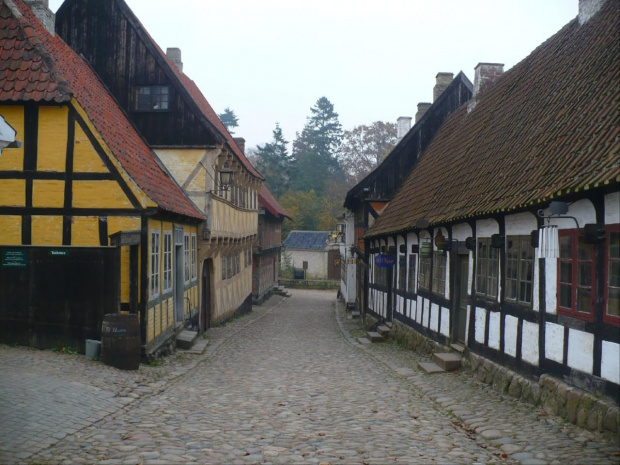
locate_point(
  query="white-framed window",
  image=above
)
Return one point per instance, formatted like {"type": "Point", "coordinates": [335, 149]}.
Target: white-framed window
{"type": "Point", "coordinates": [186, 256]}
{"type": "Point", "coordinates": [167, 261]}
{"type": "Point", "coordinates": [154, 278]}
{"type": "Point", "coordinates": [194, 269]}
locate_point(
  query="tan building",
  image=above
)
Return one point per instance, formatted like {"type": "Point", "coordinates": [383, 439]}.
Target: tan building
{"type": "Point", "coordinates": [181, 127]}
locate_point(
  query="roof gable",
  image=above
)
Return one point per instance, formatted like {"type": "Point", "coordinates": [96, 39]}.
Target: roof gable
{"type": "Point", "coordinates": [307, 240]}
{"type": "Point", "coordinates": [547, 127]}
{"type": "Point", "coordinates": [108, 119]}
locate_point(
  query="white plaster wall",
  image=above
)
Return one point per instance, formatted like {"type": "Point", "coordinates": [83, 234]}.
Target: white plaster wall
{"type": "Point", "coordinates": [461, 231]}
{"type": "Point", "coordinates": [551, 281]}
{"type": "Point", "coordinates": [486, 228]}
{"type": "Point", "coordinates": [510, 335]}
{"type": "Point", "coordinates": [418, 310]}
{"type": "Point", "coordinates": [529, 343]}
{"type": "Point", "coordinates": [445, 322]}
{"type": "Point", "coordinates": [610, 362]}
{"type": "Point", "coordinates": [612, 208]}
{"type": "Point", "coordinates": [536, 285]}
{"type": "Point", "coordinates": [434, 325]}
{"type": "Point", "coordinates": [554, 342]}
{"type": "Point", "coordinates": [317, 262]}
{"type": "Point", "coordinates": [426, 314]}
{"type": "Point", "coordinates": [582, 210]}
{"type": "Point", "coordinates": [580, 350]}
{"type": "Point", "coordinates": [481, 321]}
{"type": "Point", "coordinates": [467, 323]}
{"type": "Point", "coordinates": [412, 239]}
{"type": "Point", "coordinates": [521, 224]}
{"type": "Point", "coordinates": [494, 330]}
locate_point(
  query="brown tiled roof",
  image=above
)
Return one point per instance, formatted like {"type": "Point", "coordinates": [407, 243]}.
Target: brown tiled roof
{"type": "Point", "coordinates": [192, 90]}
{"type": "Point", "coordinates": [26, 70]}
{"type": "Point", "coordinates": [78, 80]}
{"type": "Point", "coordinates": [266, 198]}
{"type": "Point", "coordinates": [546, 128]}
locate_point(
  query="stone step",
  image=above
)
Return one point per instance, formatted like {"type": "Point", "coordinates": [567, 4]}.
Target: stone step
{"type": "Point", "coordinates": [363, 340]}
{"type": "Point", "coordinates": [198, 348]}
{"type": "Point", "coordinates": [355, 314]}
{"type": "Point", "coordinates": [384, 330]}
{"type": "Point", "coordinates": [448, 361]}
{"type": "Point", "coordinates": [186, 339]}
{"type": "Point", "coordinates": [430, 368]}
{"type": "Point", "coordinates": [374, 336]}
{"type": "Point", "coordinates": [458, 347]}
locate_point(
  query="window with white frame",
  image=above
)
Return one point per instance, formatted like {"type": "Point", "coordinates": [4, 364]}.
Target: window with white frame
{"type": "Point", "coordinates": [154, 278]}
{"type": "Point", "coordinates": [186, 253]}
{"type": "Point", "coordinates": [413, 259]}
{"type": "Point", "coordinates": [402, 272]}
{"type": "Point", "coordinates": [194, 269]}
{"type": "Point", "coordinates": [167, 261]}
{"type": "Point", "coordinates": [519, 269]}
{"type": "Point", "coordinates": [424, 280]}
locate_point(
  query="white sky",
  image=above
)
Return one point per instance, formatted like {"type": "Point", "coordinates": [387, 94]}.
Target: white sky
{"type": "Point", "coordinates": [271, 60]}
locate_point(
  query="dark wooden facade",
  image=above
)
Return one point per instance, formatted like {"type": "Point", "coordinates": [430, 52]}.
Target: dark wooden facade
{"type": "Point", "coordinates": [109, 36]}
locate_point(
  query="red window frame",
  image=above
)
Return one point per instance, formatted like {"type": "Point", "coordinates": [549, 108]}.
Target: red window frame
{"type": "Point", "coordinates": [611, 319]}
{"type": "Point", "coordinates": [575, 261]}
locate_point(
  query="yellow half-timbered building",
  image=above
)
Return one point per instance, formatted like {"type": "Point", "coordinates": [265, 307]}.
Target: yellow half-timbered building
{"type": "Point", "coordinates": [90, 220]}
{"type": "Point", "coordinates": [181, 127]}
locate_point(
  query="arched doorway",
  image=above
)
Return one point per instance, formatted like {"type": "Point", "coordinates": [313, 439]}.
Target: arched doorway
{"type": "Point", "coordinates": [205, 304]}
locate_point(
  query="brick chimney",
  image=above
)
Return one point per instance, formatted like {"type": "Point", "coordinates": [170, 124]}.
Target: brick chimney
{"type": "Point", "coordinates": [403, 124]}
{"type": "Point", "coordinates": [422, 109]}
{"type": "Point", "coordinates": [442, 81]}
{"type": "Point", "coordinates": [41, 10]}
{"type": "Point", "coordinates": [588, 8]}
{"type": "Point", "coordinates": [174, 54]}
{"type": "Point", "coordinates": [485, 75]}
{"type": "Point", "coordinates": [240, 141]}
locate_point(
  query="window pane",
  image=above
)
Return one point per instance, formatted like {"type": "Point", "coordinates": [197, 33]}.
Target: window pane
{"type": "Point", "coordinates": [585, 251]}
{"type": "Point", "coordinates": [585, 274]}
{"type": "Point", "coordinates": [565, 246]}
{"type": "Point", "coordinates": [566, 300]}
{"type": "Point", "coordinates": [566, 272]}
{"type": "Point", "coordinates": [614, 274]}
{"type": "Point", "coordinates": [614, 245]}
{"type": "Point", "coordinates": [613, 302]}
{"type": "Point", "coordinates": [584, 300]}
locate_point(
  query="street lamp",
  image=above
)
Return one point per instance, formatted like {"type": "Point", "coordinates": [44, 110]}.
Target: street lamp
{"type": "Point", "coordinates": [226, 178]}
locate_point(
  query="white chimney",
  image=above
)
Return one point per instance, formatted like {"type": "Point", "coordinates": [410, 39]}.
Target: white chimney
{"type": "Point", "coordinates": [403, 124]}
{"type": "Point", "coordinates": [174, 54]}
{"type": "Point", "coordinates": [41, 10]}
{"type": "Point", "coordinates": [485, 75]}
{"type": "Point", "coordinates": [588, 8]}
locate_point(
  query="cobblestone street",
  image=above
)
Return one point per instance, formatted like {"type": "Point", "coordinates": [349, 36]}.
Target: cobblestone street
{"type": "Point", "coordinates": [286, 384]}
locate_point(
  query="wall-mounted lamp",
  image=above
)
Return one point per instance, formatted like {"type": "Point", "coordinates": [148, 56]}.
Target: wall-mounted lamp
{"type": "Point", "coordinates": [226, 178]}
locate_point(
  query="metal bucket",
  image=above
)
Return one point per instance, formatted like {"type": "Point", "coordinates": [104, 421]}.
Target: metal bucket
{"type": "Point", "coordinates": [93, 349]}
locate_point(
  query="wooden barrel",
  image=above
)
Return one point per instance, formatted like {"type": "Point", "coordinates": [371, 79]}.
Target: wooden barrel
{"type": "Point", "coordinates": [120, 341]}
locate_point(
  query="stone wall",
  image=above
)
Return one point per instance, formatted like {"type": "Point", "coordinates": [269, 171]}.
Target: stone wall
{"type": "Point", "coordinates": [554, 396]}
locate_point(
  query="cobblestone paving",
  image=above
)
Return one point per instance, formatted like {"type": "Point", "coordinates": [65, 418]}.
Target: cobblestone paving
{"type": "Point", "coordinates": [281, 385]}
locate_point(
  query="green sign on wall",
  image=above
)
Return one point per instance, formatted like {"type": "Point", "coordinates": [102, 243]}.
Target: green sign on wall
{"type": "Point", "coordinates": [12, 258]}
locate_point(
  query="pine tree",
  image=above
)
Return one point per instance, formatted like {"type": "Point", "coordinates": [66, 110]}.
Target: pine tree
{"type": "Point", "coordinates": [229, 119]}
{"type": "Point", "coordinates": [275, 163]}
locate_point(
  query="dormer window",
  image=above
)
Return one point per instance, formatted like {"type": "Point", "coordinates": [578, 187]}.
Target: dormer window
{"type": "Point", "coordinates": [152, 98]}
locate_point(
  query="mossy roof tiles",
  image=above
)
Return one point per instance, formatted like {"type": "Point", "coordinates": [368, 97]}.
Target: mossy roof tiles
{"type": "Point", "coordinates": [548, 126]}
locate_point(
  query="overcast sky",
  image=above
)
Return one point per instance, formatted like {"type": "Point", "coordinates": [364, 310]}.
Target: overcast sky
{"type": "Point", "coordinates": [271, 60]}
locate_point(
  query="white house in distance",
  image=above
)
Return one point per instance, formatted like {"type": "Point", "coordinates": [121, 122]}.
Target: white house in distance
{"type": "Point", "coordinates": [313, 255]}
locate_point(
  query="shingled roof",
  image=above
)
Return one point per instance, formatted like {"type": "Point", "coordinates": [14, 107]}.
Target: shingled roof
{"type": "Point", "coordinates": [548, 127]}
{"type": "Point", "coordinates": [266, 198]}
{"type": "Point", "coordinates": [30, 54]}
{"type": "Point", "coordinates": [187, 85]}
{"type": "Point", "coordinates": [307, 240]}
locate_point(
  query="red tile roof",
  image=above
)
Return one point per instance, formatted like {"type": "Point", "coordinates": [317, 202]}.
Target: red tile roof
{"type": "Point", "coordinates": [192, 89]}
{"type": "Point", "coordinates": [548, 127]}
{"type": "Point", "coordinates": [266, 198]}
{"type": "Point", "coordinates": [26, 70]}
{"type": "Point", "coordinates": [64, 74]}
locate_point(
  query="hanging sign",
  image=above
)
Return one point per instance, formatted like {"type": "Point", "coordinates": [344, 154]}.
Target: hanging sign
{"type": "Point", "coordinates": [384, 260]}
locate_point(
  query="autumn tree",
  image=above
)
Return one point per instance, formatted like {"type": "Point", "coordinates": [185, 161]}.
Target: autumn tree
{"type": "Point", "coordinates": [275, 163]}
{"type": "Point", "coordinates": [229, 119]}
{"type": "Point", "coordinates": [303, 207]}
{"type": "Point", "coordinates": [363, 148]}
